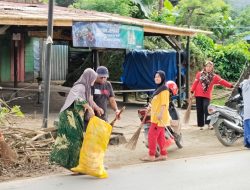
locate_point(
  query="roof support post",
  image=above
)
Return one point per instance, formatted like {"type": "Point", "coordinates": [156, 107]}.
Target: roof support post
{"type": "Point", "coordinates": [15, 62]}
{"type": "Point", "coordinates": [179, 78]}
{"type": "Point", "coordinates": [175, 44]}
{"type": "Point", "coordinates": [96, 60]}
{"type": "Point", "coordinates": [48, 65]}
{"type": "Point", "coordinates": [175, 41]}
{"type": "Point", "coordinates": [170, 42]}
{"type": "Point", "coordinates": [188, 67]}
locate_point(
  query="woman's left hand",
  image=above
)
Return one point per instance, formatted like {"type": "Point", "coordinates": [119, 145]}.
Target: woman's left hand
{"type": "Point", "coordinates": [159, 116]}
{"type": "Point", "coordinates": [91, 112]}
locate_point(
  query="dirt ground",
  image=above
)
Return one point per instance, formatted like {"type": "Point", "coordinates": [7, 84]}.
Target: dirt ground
{"type": "Point", "coordinates": [195, 142]}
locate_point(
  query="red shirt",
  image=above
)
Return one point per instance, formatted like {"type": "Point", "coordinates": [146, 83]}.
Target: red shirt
{"type": "Point", "coordinates": [198, 90]}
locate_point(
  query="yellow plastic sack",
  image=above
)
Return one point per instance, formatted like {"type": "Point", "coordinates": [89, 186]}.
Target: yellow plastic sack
{"type": "Point", "coordinates": [93, 148]}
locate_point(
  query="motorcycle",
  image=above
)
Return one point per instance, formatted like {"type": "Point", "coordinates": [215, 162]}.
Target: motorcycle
{"type": "Point", "coordinates": [172, 131]}
{"type": "Point", "coordinates": [227, 122]}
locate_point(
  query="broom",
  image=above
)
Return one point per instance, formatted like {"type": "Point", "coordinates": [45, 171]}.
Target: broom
{"type": "Point", "coordinates": [117, 116]}
{"type": "Point", "coordinates": [134, 139]}
{"type": "Point", "coordinates": [188, 112]}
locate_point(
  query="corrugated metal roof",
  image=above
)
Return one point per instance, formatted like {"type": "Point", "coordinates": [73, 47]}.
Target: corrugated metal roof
{"type": "Point", "coordinates": [36, 15]}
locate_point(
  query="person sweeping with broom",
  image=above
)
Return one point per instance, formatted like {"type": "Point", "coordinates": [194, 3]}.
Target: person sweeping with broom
{"type": "Point", "coordinates": [159, 119]}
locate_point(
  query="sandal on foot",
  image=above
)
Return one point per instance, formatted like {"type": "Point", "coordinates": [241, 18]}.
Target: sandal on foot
{"type": "Point", "coordinates": [77, 173]}
{"type": "Point", "coordinates": [210, 127]}
{"type": "Point", "coordinates": [161, 158]}
{"type": "Point", "coordinates": [148, 159]}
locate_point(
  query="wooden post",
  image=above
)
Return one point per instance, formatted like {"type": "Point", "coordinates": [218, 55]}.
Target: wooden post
{"type": "Point", "coordinates": [179, 77]}
{"type": "Point", "coordinates": [15, 62]}
{"type": "Point", "coordinates": [96, 61]}
{"type": "Point", "coordinates": [16, 37]}
{"type": "Point", "coordinates": [188, 67]}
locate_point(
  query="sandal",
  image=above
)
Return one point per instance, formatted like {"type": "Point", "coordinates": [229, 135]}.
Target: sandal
{"type": "Point", "coordinates": [162, 158]}
{"type": "Point", "coordinates": [210, 127]}
{"type": "Point", "coordinates": [77, 173]}
{"type": "Point", "coordinates": [148, 159]}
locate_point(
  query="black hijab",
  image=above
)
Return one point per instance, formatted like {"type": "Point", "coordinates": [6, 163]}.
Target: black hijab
{"type": "Point", "coordinates": [161, 86]}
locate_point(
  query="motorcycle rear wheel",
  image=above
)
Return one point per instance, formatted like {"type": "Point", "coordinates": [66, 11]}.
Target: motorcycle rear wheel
{"type": "Point", "coordinates": [224, 134]}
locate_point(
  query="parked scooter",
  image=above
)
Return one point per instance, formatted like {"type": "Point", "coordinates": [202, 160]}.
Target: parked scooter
{"type": "Point", "coordinates": [227, 122]}
{"type": "Point", "coordinates": [173, 131]}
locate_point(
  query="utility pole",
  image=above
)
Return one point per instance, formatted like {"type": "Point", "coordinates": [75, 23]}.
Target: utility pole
{"type": "Point", "coordinates": [49, 42]}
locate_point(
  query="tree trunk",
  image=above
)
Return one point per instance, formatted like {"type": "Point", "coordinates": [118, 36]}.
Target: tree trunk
{"type": "Point", "coordinates": [160, 6]}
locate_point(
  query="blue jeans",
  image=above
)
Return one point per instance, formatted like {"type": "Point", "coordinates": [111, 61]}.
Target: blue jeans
{"type": "Point", "coordinates": [247, 133]}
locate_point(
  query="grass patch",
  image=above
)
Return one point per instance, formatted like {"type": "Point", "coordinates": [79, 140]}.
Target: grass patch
{"type": "Point", "coordinates": [220, 102]}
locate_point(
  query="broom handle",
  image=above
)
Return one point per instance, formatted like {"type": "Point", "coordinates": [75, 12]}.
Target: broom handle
{"type": "Point", "coordinates": [144, 118]}
{"type": "Point", "coordinates": [166, 127]}
{"type": "Point", "coordinates": [117, 116]}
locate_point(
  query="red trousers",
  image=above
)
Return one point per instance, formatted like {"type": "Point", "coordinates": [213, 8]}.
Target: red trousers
{"type": "Point", "coordinates": [156, 135]}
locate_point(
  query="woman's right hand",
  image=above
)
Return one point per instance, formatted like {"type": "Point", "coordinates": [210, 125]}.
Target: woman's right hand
{"type": "Point", "coordinates": [91, 112]}
{"type": "Point", "coordinates": [149, 107]}
{"type": "Point", "coordinates": [191, 95]}
{"type": "Point", "coordinates": [99, 111]}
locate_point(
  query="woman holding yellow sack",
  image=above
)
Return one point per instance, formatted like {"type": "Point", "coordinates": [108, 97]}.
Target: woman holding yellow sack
{"type": "Point", "coordinates": [71, 121]}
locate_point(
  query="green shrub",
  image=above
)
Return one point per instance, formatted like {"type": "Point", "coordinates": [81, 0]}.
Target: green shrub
{"type": "Point", "coordinates": [230, 60]}
{"type": "Point", "coordinates": [205, 43]}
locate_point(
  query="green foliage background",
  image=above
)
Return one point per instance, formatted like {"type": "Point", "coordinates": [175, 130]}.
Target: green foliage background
{"type": "Point", "coordinates": [229, 59]}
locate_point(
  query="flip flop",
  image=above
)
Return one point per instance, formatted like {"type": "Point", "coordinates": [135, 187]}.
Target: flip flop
{"type": "Point", "coordinates": [210, 127]}
{"type": "Point", "coordinates": [77, 173]}
{"type": "Point", "coordinates": [161, 158]}
{"type": "Point", "coordinates": [147, 159]}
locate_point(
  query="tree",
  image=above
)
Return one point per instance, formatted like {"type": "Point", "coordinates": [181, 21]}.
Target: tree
{"type": "Point", "coordinates": [146, 6]}
{"type": "Point", "coordinates": [243, 20]}
{"type": "Point", "coordinates": [121, 7]}
{"type": "Point", "coordinates": [167, 15]}
{"type": "Point", "coordinates": [222, 26]}
{"type": "Point", "coordinates": [134, 8]}
{"type": "Point", "coordinates": [161, 2]}
{"type": "Point", "coordinates": [211, 15]}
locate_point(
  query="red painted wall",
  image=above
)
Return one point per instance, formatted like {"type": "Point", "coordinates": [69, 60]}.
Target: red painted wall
{"type": "Point", "coordinates": [20, 60]}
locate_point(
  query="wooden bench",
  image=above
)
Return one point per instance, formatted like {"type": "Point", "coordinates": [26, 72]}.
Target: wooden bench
{"type": "Point", "coordinates": [124, 91]}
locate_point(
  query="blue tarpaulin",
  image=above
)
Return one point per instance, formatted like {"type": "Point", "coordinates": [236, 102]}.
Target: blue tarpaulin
{"type": "Point", "coordinates": [140, 66]}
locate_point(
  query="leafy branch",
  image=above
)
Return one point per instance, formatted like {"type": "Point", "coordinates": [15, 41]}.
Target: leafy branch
{"type": "Point", "coordinates": [7, 113]}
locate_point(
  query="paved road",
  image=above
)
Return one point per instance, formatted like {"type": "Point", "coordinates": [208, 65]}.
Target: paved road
{"type": "Point", "coordinates": [230, 171]}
